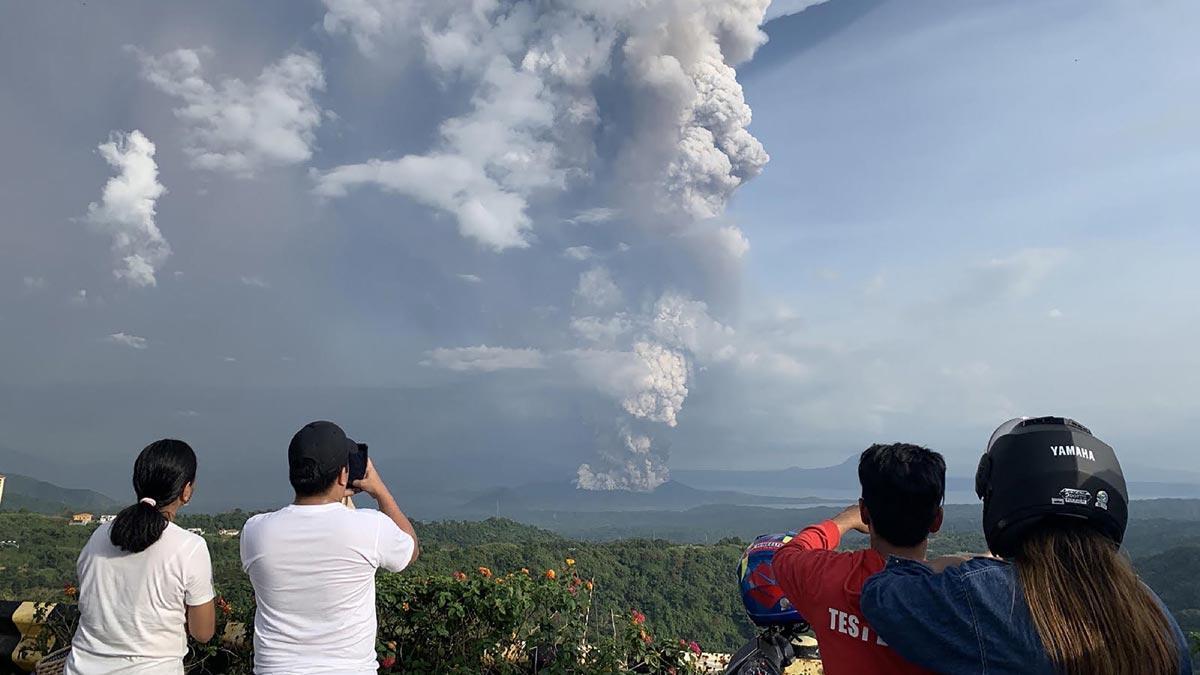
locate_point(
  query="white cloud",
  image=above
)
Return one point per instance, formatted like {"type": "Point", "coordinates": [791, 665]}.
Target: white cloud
{"type": "Point", "coordinates": [80, 298]}
{"type": "Point", "coordinates": [127, 340]}
{"type": "Point", "coordinates": [596, 215]}
{"type": "Point", "coordinates": [32, 284]}
{"type": "Point", "coordinates": [485, 211]}
{"type": "Point", "coordinates": [578, 252]}
{"type": "Point", "coordinates": [597, 289]}
{"type": "Point", "coordinates": [126, 210]}
{"type": "Point", "coordinates": [256, 282]}
{"type": "Point", "coordinates": [1021, 273]}
{"type": "Point", "coordinates": [470, 278]}
{"type": "Point", "coordinates": [686, 324]}
{"type": "Point", "coordinates": [1011, 278]}
{"type": "Point", "coordinates": [1055, 313]}
{"type": "Point", "coordinates": [229, 359]}
{"type": "Point", "coordinates": [242, 127]}
{"type": "Point", "coordinates": [367, 21]}
{"type": "Point", "coordinates": [601, 331]}
{"type": "Point", "coordinates": [484, 358]}
{"type": "Point", "coordinates": [780, 8]}
{"type": "Point", "coordinates": [733, 240]}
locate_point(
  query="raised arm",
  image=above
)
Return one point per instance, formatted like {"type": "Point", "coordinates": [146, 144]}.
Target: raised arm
{"type": "Point", "coordinates": [798, 561]}
{"type": "Point", "coordinates": [372, 484]}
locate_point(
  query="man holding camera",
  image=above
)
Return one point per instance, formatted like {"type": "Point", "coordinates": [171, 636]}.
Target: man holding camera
{"type": "Point", "coordinates": [313, 562]}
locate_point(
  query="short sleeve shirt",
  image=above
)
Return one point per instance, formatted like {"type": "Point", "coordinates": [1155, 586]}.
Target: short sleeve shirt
{"type": "Point", "coordinates": [824, 585]}
{"type": "Point", "coordinates": [133, 606]}
{"type": "Point", "coordinates": [313, 571]}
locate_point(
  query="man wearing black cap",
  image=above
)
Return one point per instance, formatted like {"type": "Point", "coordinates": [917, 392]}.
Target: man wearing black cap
{"type": "Point", "coordinates": [313, 562]}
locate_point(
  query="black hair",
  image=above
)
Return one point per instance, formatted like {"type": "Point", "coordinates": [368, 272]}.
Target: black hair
{"type": "Point", "coordinates": [160, 473]}
{"type": "Point", "coordinates": [903, 486]}
{"type": "Point", "coordinates": [307, 479]}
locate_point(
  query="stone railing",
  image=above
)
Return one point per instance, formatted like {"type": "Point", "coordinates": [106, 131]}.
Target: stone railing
{"type": "Point", "coordinates": [23, 627]}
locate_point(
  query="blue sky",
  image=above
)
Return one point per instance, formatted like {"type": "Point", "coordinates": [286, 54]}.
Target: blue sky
{"type": "Point", "coordinates": [972, 210]}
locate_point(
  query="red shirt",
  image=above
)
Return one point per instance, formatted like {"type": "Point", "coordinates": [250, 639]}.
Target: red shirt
{"type": "Point", "coordinates": [824, 586]}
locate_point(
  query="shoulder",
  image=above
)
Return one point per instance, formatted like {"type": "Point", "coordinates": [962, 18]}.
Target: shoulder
{"type": "Point", "coordinates": [101, 538]}
{"type": "Point", "coordinates": [263, 520]}
{"type": "Point", "coordinates": [991, 569]}
{"type": "Point", "coordinates": [188, 541]}
{"type": "Point", "coordinates": [368, 516]}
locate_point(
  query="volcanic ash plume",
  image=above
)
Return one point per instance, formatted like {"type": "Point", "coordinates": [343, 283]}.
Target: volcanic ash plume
{"type": "Point", "coordinates": [633, 105]}
{"type": "Point", "coordinates": [663, 386]}
{"type": "Point", "coordinates": [628, 462]}
{"type": "Point", "coordinates": [537, 70]}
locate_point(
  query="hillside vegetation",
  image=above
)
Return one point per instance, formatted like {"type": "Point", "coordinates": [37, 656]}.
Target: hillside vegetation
{"type": "Point", "coordinates": [686, 590]}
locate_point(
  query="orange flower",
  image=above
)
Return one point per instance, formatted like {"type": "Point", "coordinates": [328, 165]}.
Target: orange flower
{"type": "Point", "coordinates": [70, 591]}
{"type": "Point", "coordinates": [459, 576]}
{"type": "Point", "coordinates": [403, 606]}
{"type": "Point", "coordinates": [646, 637]}
{"type": "Point", "coordinates": [550, 574]}
{"type": "Point", "coordinates": [589, 585]}
{"type": "Point", "coordinates": [485, 572]}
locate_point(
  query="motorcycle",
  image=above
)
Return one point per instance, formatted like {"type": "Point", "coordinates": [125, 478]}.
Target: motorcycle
{"type": "Point", "coordinates": [780, 627]}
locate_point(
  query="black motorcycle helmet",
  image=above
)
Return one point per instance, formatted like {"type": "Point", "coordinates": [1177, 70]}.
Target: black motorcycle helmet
{"type": "Point", "coordinates": [1042, 468]}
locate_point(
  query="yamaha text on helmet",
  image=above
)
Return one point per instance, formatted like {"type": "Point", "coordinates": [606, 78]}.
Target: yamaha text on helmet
{"type": "Point", "coordinates": [1048, 467]}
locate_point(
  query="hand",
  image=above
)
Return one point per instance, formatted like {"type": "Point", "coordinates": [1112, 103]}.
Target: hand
{"type": "Point", "coordinates": [851, 519]}
{"type": "Point", "coordinates": [371, 483]}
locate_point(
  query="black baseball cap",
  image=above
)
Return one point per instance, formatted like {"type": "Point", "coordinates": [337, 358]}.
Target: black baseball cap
{"type": "Point", "coordinates": [324, 443]}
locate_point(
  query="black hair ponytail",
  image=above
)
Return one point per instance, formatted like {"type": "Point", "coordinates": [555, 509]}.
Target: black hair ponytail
{"type": "Point", "coordinates": [159, 474]}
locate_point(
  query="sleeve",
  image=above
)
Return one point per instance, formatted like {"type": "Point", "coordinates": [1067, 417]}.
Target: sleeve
{"type": "Point", "coordinates": [393, 546]}
{"type": "Point", "coordinates": [794, 562]}
{"type": "Point", "coordinates": [925, 617]}
{"type": "Point", "coordinates": [197, 583]}
{"type": "Point", "coordinates": [245, 542]}
{"type": "Point", "coordinates": [1181, 640]}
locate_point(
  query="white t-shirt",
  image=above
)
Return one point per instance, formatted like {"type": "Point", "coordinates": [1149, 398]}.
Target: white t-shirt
{"type": "Point", "coordinates": [133, 606]}
{"type": "Point", "coordinates": [313, 570]}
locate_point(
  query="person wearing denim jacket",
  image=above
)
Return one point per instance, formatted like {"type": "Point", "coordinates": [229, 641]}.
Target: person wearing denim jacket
{"type": "Point", "coordinates": [968, 618]}
{"type": "Point", "coordinates": [1063, 599]}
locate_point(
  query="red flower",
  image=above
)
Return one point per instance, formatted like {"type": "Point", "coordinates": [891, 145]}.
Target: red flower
{"type": "Point", "coordinates": [223, 605]}
{"type": "Point", "coordinates": [638, 618]}
{"type": "Point", "coordinates": [387, 661]}
{"type": "Point", "coordinates": [695, 647]}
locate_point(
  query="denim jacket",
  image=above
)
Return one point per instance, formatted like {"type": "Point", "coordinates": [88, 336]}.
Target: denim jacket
{"type": "Point", "coordinates": [969, 619]}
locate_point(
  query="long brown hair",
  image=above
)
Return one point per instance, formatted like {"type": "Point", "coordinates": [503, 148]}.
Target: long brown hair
{"type": "Point", "coordinates": [1092, 613]}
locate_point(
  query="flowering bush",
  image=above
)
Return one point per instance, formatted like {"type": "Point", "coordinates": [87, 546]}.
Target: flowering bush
{"type": "Point", "coordinates": [480, 623]}
{"type": "Point", "coordinates": [515, 623]}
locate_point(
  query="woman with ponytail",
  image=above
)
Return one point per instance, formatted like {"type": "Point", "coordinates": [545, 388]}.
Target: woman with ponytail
{"type": "Point", "coordinates": [145, 582]}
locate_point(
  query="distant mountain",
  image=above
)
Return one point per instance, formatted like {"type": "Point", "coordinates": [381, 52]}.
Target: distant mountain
{"type": "Point", "coordinates": [1144, 482]}
{"type": "Point", "coordinates": [841, 476]}
{"type": "Point", "coordinates": [559, 496]}
{"type": "Point", "coordinates": [23, 492]}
